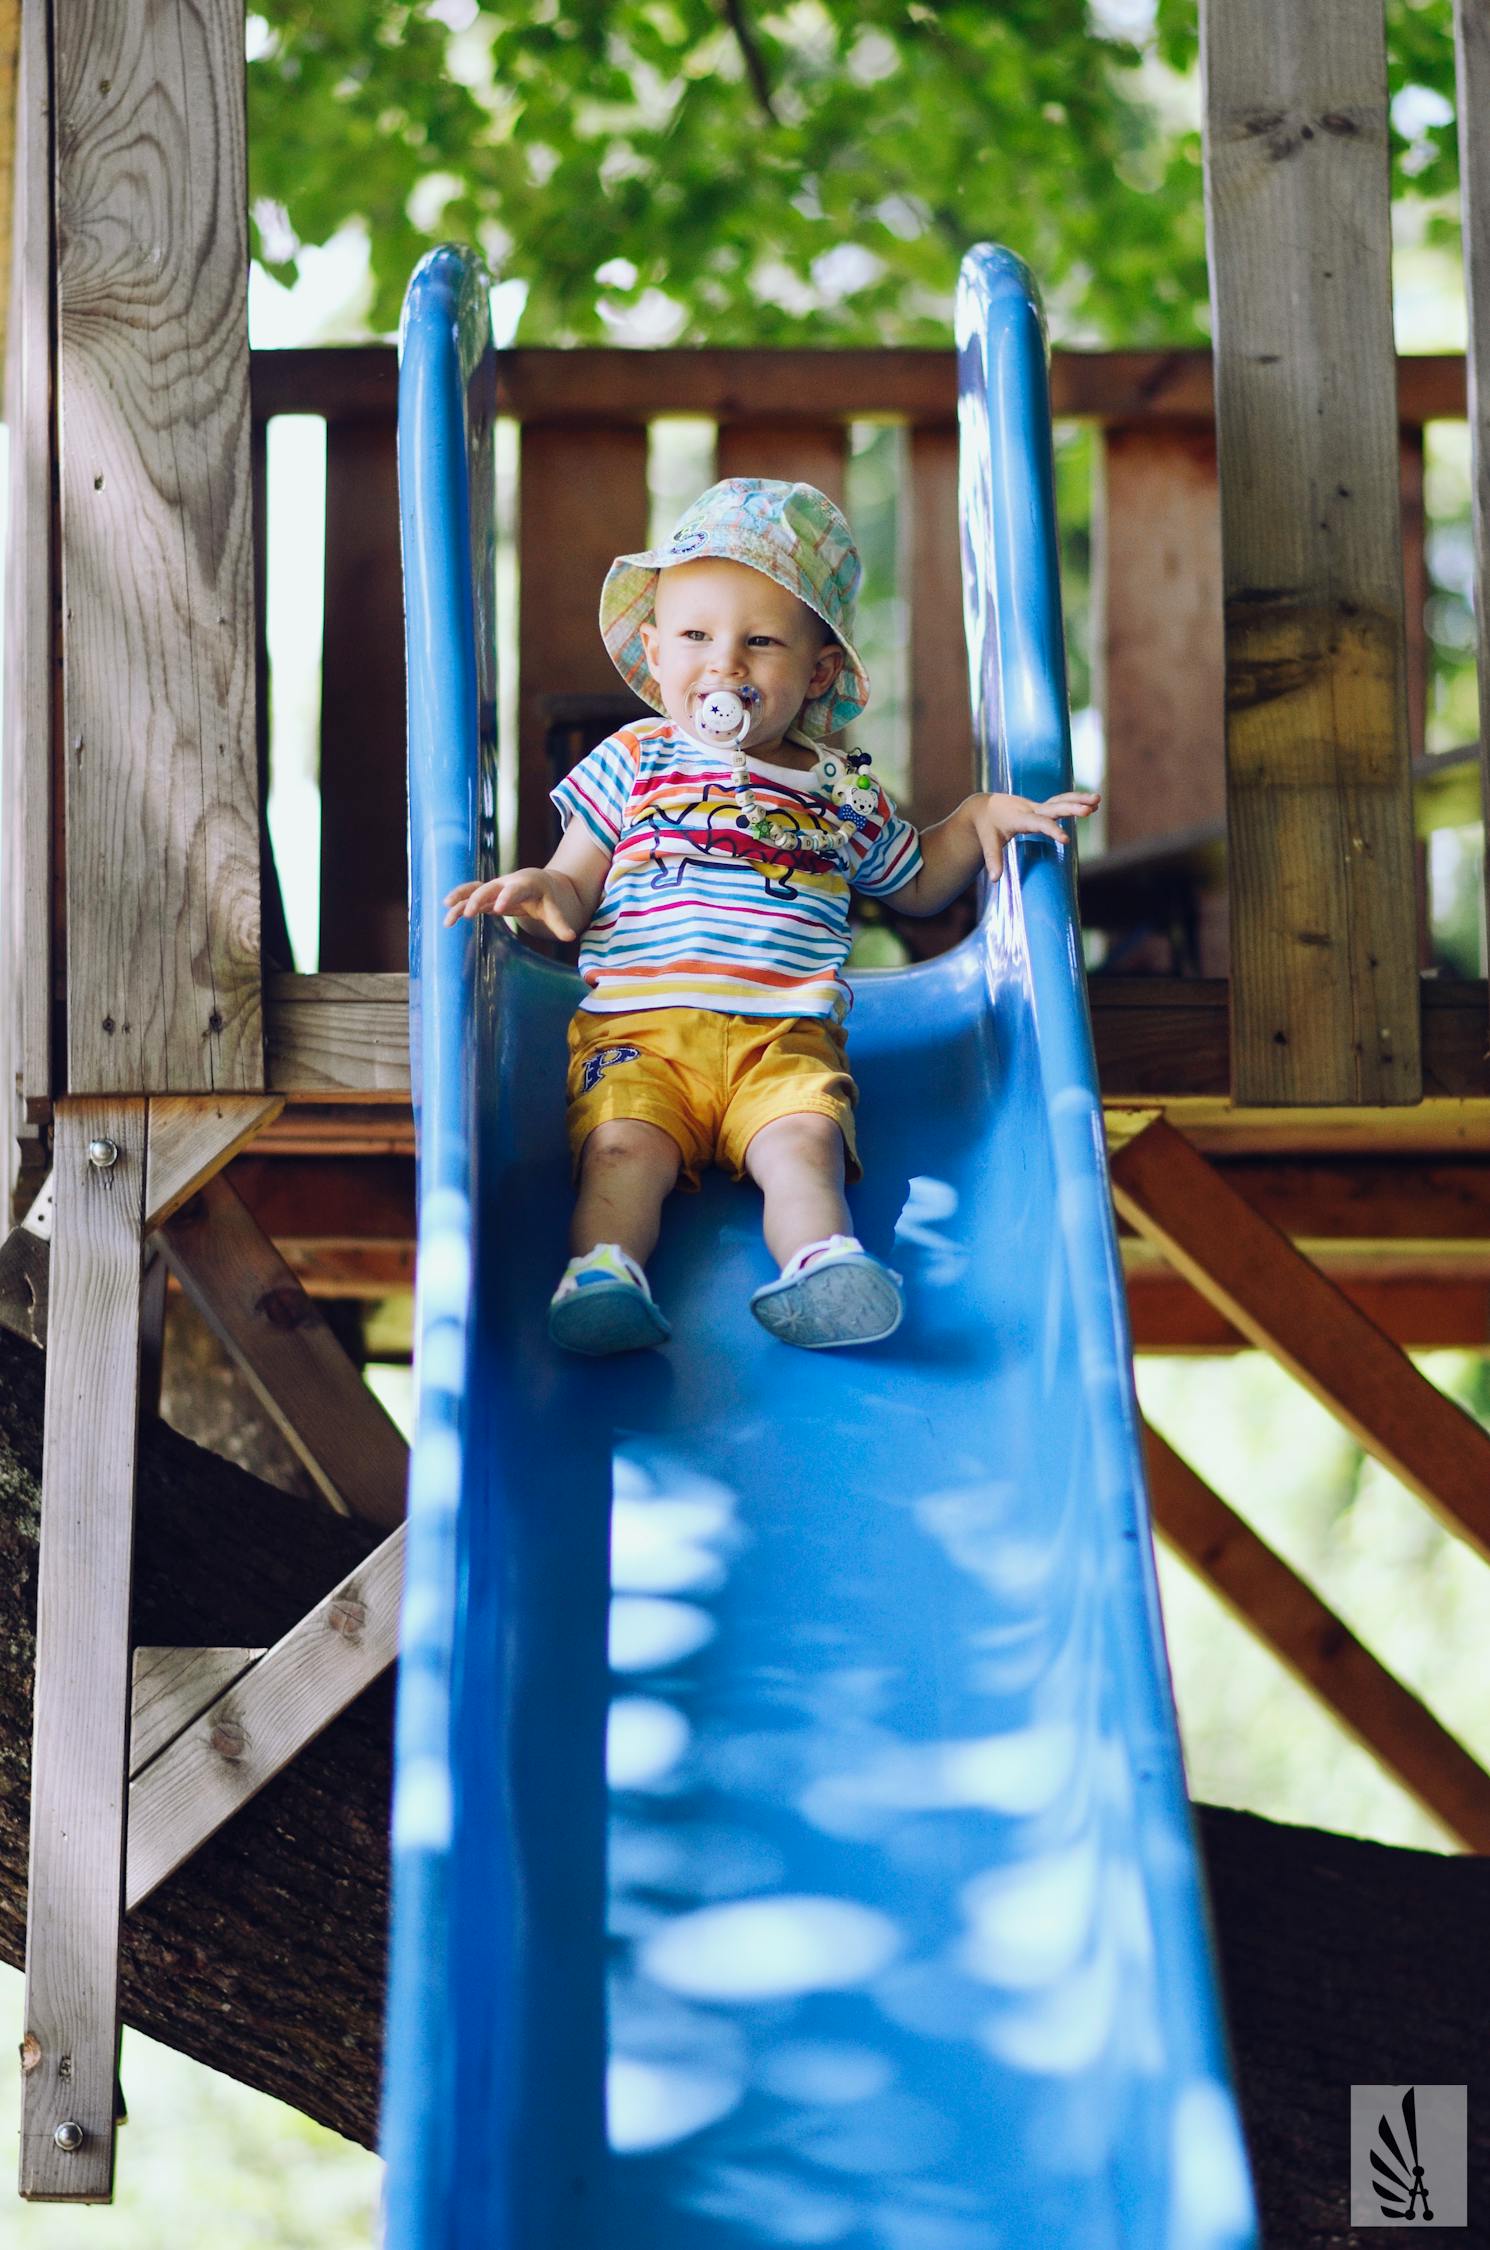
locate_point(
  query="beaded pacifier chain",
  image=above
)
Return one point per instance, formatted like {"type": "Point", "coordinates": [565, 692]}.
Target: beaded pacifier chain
{"type": "Point", "coordinates": [722, 719]}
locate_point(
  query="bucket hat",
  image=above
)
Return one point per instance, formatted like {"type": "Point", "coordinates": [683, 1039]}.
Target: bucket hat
{"type": "Point", "coordinates": [791, 532]}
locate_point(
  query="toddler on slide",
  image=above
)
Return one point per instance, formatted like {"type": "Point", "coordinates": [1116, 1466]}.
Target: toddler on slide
{"type": "Point", "coordinates": [707, 858]}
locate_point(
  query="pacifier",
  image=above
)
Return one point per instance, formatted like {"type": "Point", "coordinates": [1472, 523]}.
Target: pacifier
{"type": "Point", "coordinates": [724, 714]}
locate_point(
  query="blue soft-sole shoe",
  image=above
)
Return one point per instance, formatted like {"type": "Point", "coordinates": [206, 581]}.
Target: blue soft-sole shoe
{"type": "Point", "coordinates": [606, 1316]}
{"type": "Point", "coordinates": [853, 1300]}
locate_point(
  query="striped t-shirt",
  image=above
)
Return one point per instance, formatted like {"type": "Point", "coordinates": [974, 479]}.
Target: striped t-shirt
{"type": "Point", "coordinates": [695, 913]}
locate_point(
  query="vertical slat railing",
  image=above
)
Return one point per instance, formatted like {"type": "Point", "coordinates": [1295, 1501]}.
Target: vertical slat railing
{"type": "Point", "coordinates": [1324, 970]}
{"type": "Point", "coordinates": [941, 746]}
{"type": "Point", "coordinates": [801, 452]}
{"type": "Point", "coordinates": [1472, 60]}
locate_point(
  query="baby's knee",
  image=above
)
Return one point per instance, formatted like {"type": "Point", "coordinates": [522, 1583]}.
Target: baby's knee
{"type": "Point", "coordinates": [804, 1138]}
{"type": "Point", "coordinates": [626, 1141]}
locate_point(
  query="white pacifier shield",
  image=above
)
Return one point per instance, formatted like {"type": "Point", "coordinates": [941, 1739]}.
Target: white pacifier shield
{"type": "Point", "coordinates": [722, 715]}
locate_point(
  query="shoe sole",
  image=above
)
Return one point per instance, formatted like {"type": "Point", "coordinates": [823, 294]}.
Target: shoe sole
{"type": "Point", "coordinates": [606, 1317]}
{"type": "Point", "coordinates": [851, 1301]}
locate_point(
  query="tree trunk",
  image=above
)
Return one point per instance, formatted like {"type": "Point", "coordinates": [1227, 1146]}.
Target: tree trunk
{"type": "Point", "coordinates": [1341, 1961]}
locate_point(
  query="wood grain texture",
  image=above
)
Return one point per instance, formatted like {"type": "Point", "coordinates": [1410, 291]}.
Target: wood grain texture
{"type": "Point", "coordinates": [1265, 1287]}
{"type": "Point", "coordinates": [1323, 912]}
{"type": "Point", "coordinates": [27, 905]}
{"type": "Point", "coordinates": [10, 56]}
{"type": "Point", "coordinates": [364, 789]}
{"type": "Point", "coordinates": [582, 500]}
{"type": "Point", "coordinates": [338, 1033]}
{"type": "Point", "coordinates": [1317, 1647]}
{"type": "Point", "coordinates": [1472, 66]}
{"type": "Point", "coordinates": [295, 1365]}
{"type": "Point", "coordinates": [801, 450]}
{"type": "Point", "coordinates": [157, 578]}
{"type": "Point", "coordinates": [191, 1137]}
{"type": "Point", "coordinates": [943, 757]}
{"type": "Point", "coordinates": [1156, 576]}
{"type": "Point", "coordinates": [173, 1686]}
{"type": "Point", "coordinates": [247, 1735]}
{"type": "Point", "coordinates": [1166, 1315]}
{"type": "Point", "coordinates": [81, 1725]}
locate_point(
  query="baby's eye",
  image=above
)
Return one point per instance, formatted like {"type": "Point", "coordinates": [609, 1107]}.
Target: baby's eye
{"type": "Point", "coordinates": [764, 640]}
{"type": "Point", "coordinates": [694, 633]}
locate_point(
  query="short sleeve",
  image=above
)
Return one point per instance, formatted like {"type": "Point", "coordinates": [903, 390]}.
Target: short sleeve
{"type": "Point", "coordinates": [887, 852]}
{"type": "Point", "coordinates": [597, 789]}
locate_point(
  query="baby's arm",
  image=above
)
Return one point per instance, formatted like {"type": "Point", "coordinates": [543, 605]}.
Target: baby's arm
{"type": "Point", "coordinates": [560, 898]}
{"type": "Point", "coordinates": [976, 834]}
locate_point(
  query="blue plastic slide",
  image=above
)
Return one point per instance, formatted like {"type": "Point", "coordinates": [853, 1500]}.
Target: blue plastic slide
{"type": "Point", "coordinates": [791, 1843]}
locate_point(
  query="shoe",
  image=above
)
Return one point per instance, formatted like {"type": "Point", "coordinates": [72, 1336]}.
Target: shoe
{"type": "Point", "coordinates": [603, 1305]}
{"type": "Point", "coordinates": [829, 1294]}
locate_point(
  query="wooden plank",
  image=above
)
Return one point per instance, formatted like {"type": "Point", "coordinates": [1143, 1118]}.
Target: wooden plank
{"type": "Point", "coordinates": [157, 569]}
{"type": "Point", "coordinates": [1472, 67]}
{"type": "Point", "coordinates": [1318, 1648]}
{"type": "Point", "coordinates": [153, 1287]}
{"type": "Point", "coordinates": [1286, 1306]}
{"type": "Point", "coordinates": [250, 1733]}
{"type": "Point", "coordinates": [582, 500]}
{"type": "Point", "coordinates": [337, 1204]}
{"type": "Point", "coordinates": [328, 1034]}
{"type": "Point", "coordinates": [191, 1137]}
{"type": "Point", "coordinates": [364, 790]}
{"type": "Point", "coordinates": [26, 1269]}
{"type": "Point", "coordinates": [26, 933]}
{"type": "Point", "coordinates": [556, 385]}
{"type": "Point", "coordinates": [10, 55]}
{"type": "Point", "coordinates": [294, 1364]}
{"type": "Point", "coordinates": [801, 451]}
{"type": "Point", "coordinates": [1166, 1315]}
{"type": "Point", "coordinates": [1156, 581]}
{"type": "Point", "coordinates": [1323, 916]}
{"type": "Point", "coordinates": [274, 934]}
{"type": "Point", "coordinates": [81, 1717]}
{"type": "Point", "coordinates": [943, 756]}
{"type": "Point", "coordinates": [173, 1686]}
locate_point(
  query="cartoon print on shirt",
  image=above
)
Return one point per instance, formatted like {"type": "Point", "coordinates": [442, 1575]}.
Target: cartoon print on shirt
{"type": "Point", "coordinates": [730, 845]}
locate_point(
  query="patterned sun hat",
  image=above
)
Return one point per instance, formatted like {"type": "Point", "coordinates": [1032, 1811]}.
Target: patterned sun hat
{"type": "Point", "coordinates": [791, 532]}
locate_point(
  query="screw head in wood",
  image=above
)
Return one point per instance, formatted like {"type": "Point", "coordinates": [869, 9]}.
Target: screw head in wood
{"type": "Point", "coordinates": [103, 1153]}
{"type": "Point", "coordinates": [69, 2136]}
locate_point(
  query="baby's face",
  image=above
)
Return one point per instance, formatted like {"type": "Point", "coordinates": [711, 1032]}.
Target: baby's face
{"type": "Point", "coordinates": [722, 625]}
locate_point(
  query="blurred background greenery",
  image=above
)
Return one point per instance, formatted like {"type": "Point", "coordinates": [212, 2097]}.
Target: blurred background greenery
{"type": "Point", "coordinates": [655, 171]}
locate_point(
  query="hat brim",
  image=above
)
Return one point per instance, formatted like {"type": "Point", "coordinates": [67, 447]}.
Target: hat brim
{"type": "Point", "coordinates": [628, 601]}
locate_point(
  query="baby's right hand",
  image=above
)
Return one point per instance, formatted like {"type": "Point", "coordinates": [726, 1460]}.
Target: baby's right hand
{"type": "Point", "coordinates": [529, 893]}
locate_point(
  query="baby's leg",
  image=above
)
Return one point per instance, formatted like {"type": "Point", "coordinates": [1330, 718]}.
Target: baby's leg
{"type": "Point", "coordinates": [627, 1171]}
{"type": "Point", "coordinates": [797, 1163]}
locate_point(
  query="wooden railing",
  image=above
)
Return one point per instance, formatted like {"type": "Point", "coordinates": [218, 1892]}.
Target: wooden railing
{"type": "Point", "coordinates": [583, 497]}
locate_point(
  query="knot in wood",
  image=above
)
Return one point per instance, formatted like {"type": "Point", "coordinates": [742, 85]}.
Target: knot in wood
{"type": "Point", "coordinates": [286, 1307]}
{"type": "Point", "coordinates": [347, 1616]}
{"type": "Point", "coordinates": [228, 1739]}
{"type": "Point", "coordinates": [30, 2053]}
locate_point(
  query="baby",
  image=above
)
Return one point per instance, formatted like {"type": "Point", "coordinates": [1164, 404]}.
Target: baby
{"type": "Point", "coordinates": [707, 858]}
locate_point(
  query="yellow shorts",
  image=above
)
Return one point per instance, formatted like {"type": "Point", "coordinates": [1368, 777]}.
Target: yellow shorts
{"type": "Point", "coordinates": [710, 1080]}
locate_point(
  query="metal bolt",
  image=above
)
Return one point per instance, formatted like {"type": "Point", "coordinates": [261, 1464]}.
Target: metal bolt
{"type": "Point", "coordinates": [69, 2136]}
{"type": "Point", "coordinates": [103, 1153]}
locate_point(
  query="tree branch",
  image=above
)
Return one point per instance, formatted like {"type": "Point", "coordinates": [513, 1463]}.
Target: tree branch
{"type": "Point", "coordinates": [744, 31]}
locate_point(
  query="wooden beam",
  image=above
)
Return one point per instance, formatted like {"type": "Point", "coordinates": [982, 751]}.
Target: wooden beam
{"type": "Point", "coordinates": [249, 1733]}
{"type": "Point", "coordinates": [554, 384]}
{"type": "Point", "coordinates": [1472, 65]}
{"type": "Point", "coordinates": [173, 1686]}
{"type": "Point", "coordinates": [808, 452]}
{"type": "Point", "coordinates": [192, 1137]}
{"type": "Point", "coordinates": [25, 1269]}
{"type": "Point", "coordinates": [329, 1034]}
{"type": "Point", "coordinates": [26, 788]}
{"type": "Point", "coordinates": [346, 1203]}
{"type": "Point", "coordinates": [297, 1369]}
{"type": "Point", "coordinates": [1323, 911]}
{"type": "Point", "coordinates": [81, 1723]}
{"type": "Point", "coordinates": [1321, 1652]}
{"type": "Point", "coordinates": [162, 812]}
{"type": "Point", "coordinates": [1284, 1305]}
{"type": "Point", "coordinates": [1167, 1315]}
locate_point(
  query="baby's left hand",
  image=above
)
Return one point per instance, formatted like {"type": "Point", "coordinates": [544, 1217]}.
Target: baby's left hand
{"type": "Point", "coordinates": [997, 815]}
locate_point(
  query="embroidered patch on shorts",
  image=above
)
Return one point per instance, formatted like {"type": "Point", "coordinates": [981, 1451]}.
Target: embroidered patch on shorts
{"type": "Point", "coordinates": [601, 1061]}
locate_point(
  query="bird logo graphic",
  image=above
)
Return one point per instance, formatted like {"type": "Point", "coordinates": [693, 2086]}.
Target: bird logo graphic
{"type": "Point", "coordinates": [1397, 2179]}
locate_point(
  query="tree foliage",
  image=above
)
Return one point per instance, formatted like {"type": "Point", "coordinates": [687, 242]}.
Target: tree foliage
{"type": "Point", "coordinates": [809, 170]}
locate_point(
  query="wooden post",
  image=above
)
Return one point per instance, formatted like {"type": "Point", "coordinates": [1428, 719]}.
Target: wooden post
{"type": "Point", "coordinates": [81, 1724]}
{"type": "Point", "coordinates": [162, 819]}
{"type": "Point", "coordinates": [942, 769]}
{"type": "Point", "coordinates": [1323, 915]}
{"type": "Point", "coordinates": [1472, 57]}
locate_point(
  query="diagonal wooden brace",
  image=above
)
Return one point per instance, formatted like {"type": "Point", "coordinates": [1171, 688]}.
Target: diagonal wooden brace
{"type": "Point", "coordinates": [1286, 1306]}
{"type": "Point", "coordinates": [1321, 1652]}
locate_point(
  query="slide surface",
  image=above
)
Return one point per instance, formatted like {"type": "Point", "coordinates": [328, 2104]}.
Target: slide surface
{"type": "Point", "coordinates": [791, 1842]}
